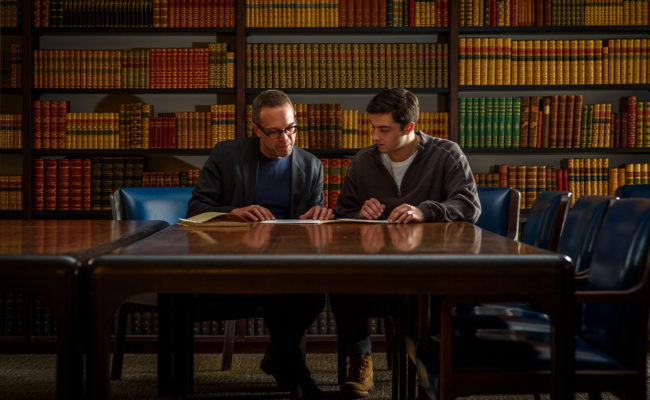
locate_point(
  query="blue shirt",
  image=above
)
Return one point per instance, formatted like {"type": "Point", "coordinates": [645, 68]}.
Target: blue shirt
{"type": "Point", "coordinates": [273, 189]}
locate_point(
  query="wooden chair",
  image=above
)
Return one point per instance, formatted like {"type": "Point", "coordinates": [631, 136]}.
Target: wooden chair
{"type": "Point", "coordinates": [610, 353]}
{"type": "Point", "coordinates": [169, 204]}
{"type": "Point", "coordinates": [499, 210]}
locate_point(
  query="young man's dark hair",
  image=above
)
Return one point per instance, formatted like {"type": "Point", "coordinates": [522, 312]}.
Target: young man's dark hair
{"type": "Point", "coordinates": [402, 104]}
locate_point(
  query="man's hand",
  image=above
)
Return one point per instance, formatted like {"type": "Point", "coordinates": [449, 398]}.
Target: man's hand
{"type": "Point", "coordinates": [253, 213]}
{"type": "Point", "coordinates": [318, 212]}
{"type": "Point", "coordinates": [372, 209]}
{"type": "Point", "coordinates": [405, 213]}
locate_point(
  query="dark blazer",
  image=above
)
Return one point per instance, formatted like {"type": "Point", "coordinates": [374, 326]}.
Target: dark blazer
{"type": "Point", "coordinates": [228, 179]}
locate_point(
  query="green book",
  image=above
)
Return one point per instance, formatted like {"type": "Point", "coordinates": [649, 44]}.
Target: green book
{"type": "Point", "coordinates": [475, 122]}
{"type": "Point", "coordinates": [500, 122]}
{"type": "Point", "coordinates": [489, 117]}
{"type": "Point", "coordinates": [480, 140]}
{"type": "Point", "coordinates": [516, 107]}
{"type": "Point", "coordinates": [507, 134]}
{"type": "Point", "coordinates": [462, 121]}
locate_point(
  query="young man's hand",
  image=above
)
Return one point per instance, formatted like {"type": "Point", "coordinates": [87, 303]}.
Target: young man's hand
{"type": "Point", "coordinates": [254, 213]}
{"type": "Point", "coordinates": [318, 212]}
{"type": "Point", "coordinates": [404, 214]}
{"type": "Point", "coordinates": [372, 209]}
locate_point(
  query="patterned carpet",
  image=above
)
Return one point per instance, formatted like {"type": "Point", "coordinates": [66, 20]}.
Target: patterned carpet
{"type": "Point", "coordinates": [31, 377]}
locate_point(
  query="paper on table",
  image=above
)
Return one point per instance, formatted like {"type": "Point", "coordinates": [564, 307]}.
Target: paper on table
{"type": "Point", "coordinates": [323, 221]}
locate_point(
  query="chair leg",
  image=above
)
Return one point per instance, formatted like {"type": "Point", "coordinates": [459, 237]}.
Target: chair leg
{"type": "Point", "coordinates": [303, 344]}
{"type": "Point", "coordinates": [389, 335]}
{"type": "Point", "coordinates": [120, 339]}
{"type": "Point", "coordinates": [342, 362]}
{"type": "Point", "coordinates": [228, 344]}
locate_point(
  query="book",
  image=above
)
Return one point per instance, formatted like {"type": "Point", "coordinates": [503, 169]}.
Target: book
{"type": "Point", "coordinates": [214, 218]}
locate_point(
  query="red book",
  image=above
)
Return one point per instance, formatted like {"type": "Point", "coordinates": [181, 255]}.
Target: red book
{"type": "Point", "coordinates": [568, 123]}
{"type": "Point", "coordinates": [411, 12]}
{"type": "Point", "coordinates": [37, 125]}
{"type": "Point", "coordinates": [631, 120]}
{"type": "Point", "coordinates": [164, 143]}
{"type": "Point", "coordinates": [617, 129]}
{"type": "Point", "coordinates": [577, 120]}
{"type": "Point", "coordinates": [86, 183]}
{"type": "Point", "coordinates": [64, 184]}
{"type": "Point", "coordinates": [76, 184]}
{"type": "Point", "coordinates": [623, 123]}
{"type": "Point", "coordinates": [172, 132]}
{"type": "Point", "coordinates": [493, 12]}
{"type": "Point", "coordinates": [39, 183]}
{"type": "Point", "coordinates": [50, 184]}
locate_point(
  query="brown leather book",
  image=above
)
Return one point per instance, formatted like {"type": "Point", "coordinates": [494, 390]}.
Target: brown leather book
{"type": "Point", "coordinates": [524, 121]}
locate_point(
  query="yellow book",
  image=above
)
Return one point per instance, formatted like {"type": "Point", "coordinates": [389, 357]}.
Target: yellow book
{"type": "Point", "coordinates": [476, 60]}
{"type": "Point", "coordinates": [525, 70]}
{"type": "Point", "coordinates": [536, 62]}
{"type": "Point", "coordinates": [491, 55]}
{"type": "Point", "coordinates": [500, 73]}
{"type": "Point", "coordinates": [566, 62]}
{"type": "Point", "coordinates": [551, 65]}
{"type": "Point", "coordinates": [580, 60]}
{"type": "Point", "coordinates": [214, 218]}
{"type": "Point", "coordinates": [644, 61]}
{"type": "Point", "coordinates": [505, 61]}
{"type": "Point", "coordinates": [462, 60]}
{"type": "Point", "coordinates": [484, 61]}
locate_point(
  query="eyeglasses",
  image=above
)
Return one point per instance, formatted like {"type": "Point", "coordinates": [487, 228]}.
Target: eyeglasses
{"type": "Point", "coordinates": [277, 132]}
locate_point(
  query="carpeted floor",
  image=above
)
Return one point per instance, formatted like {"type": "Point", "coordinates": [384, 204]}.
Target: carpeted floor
{"type": "Point", "coordinates": [31, 377]}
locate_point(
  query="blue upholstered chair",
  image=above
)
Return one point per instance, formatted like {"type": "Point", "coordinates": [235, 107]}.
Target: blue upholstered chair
{"type": "Point", "coordinates": [610, 350]}
{"type": "Point", "coordinates": [628, 191]}
{"type": "Point", "coordinates": [499, 210]}
{"type": "Point", "coordinates": [146, 203]}
{"type": "Point", "coordinates": [169, 204]}
{"type": "Point", "coordinates": [546, 219]}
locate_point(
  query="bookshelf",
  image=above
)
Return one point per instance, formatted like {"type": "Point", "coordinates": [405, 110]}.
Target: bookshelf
{"type": "Point", "coordinates": [444, 98]}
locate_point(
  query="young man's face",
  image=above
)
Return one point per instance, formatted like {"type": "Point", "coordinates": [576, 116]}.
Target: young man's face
{"type": "Point", "coordinates": [273, 120]}
{"type": "Point", "coordinates": [388, 134]}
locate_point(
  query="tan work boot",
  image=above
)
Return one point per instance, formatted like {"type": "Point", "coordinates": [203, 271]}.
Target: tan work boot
{"type": "Point", "coordinates": [358, 383]}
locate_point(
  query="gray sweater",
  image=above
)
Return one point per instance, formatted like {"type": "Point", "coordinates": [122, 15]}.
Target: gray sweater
{"type": "Point", "coordinates": [439, 182]}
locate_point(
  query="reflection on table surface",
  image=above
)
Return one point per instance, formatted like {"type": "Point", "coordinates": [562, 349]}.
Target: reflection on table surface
{"type": "Point", "coordinates": [339, 238]}
{"type": "Point", "coordinates": [52, 237]}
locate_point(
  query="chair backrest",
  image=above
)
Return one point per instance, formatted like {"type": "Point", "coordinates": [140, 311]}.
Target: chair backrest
{"type": "Point", "coordinates": [146, 203]}
{"type": "Point", "coordinates": [499, 210]}
{"type": "Point", "coordinates": [546, 219]}
{"type": "Point", "coordinates": [621, 262]}
{"type": "Point", "coordinates": [628, 191]}
{"type": "Point", "coordinates": [581, 227]}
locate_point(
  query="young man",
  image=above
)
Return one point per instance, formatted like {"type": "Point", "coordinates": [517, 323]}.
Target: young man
{"type": "Point", "coordinates": [406, 176]}
{"type": "Point", "coordinates": [260, 178]}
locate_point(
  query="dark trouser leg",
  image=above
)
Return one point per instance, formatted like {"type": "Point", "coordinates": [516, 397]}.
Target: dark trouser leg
{"type": "Point", "coordinates": [287, 317]}
{"type": "Point", "coordinates": [351, 313]}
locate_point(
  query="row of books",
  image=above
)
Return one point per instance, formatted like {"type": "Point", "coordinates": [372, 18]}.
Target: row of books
{"type": "Point", "coordinates": [346, 65]}
{"type": "Point", "coordinates": [346, 13]}
{"type": "Point", "coordinates": [170, 179]}
{"type": "Point", "coordinates": [10, 14]}
{"type": "Point", "coordinates": [503, 61]}
{"type": "Point", "coordinates": [580, 176]}
{"type": "Point", "coordinates": [552, 12]}
{"type": "Point", "coordinates": [134, 127]}
{"type": "Point", "coordinates": [138, 68]}
{"type": "Point", "coordinates": [329, 126]}
{"type": "Point", "coordinates": [87, 184]}
{"type": "Point", "coordinates": [551, 122]}
{"type": "Point", "coordinates": [11, 131]}
{"type": "Point", "coordinates": [11, 192]}
{"type": "Point", "coordinates": [12, 316]}
{"type": "Point", "coordinates": [134, 13]}
{"type": "Point", "coordinates": [11, 67]}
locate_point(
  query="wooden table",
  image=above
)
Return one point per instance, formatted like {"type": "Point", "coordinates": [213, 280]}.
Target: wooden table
{"type": "Point", "coordinates": [456, 259]}
{"type": "Point", "coordinates": [46, 259]}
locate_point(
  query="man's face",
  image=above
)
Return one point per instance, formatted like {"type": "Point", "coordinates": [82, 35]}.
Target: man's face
{"type": "Point", "coordinates": [387, 134]}
{"type": "Point", "coordinates": [272, 120]}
